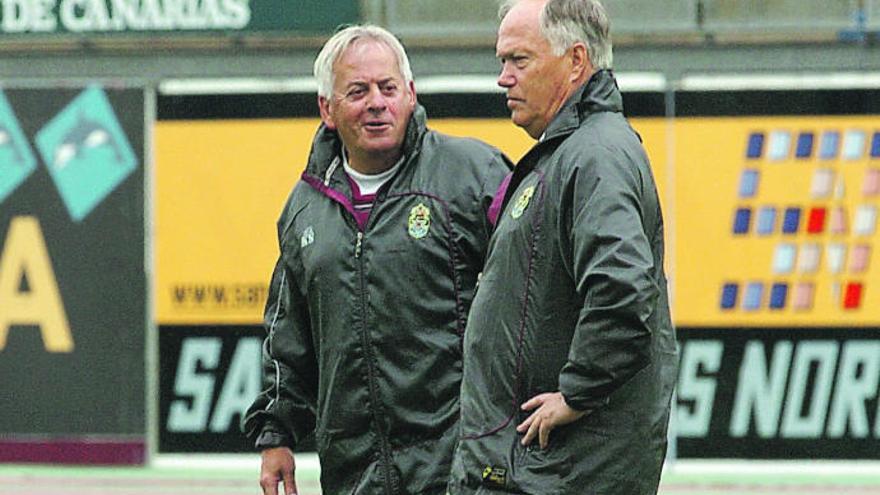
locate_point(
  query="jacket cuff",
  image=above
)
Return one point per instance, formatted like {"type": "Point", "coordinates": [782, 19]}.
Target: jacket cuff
{"type": "Point", "coordinates": [273, 435]}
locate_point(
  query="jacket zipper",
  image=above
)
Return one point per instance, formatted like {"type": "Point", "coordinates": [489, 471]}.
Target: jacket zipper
{"type": "Point", "coordinates": [384, 448]}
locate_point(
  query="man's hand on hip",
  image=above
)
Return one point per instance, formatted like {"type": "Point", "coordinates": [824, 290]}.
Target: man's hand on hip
{"type": "Point", "coordinates": [552, 411]}
{"type": "Point", "coordinates": [278, 466]}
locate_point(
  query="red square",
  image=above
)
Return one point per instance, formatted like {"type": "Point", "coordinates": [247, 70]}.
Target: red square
{"type": "Point", "coordinates": [852, 299]}
{"type": "Point", "coordinates": [816, 223]}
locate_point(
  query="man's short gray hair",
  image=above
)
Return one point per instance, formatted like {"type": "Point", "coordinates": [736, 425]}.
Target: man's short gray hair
{"type": "Point", "coordinates": [566, 22]}
{"type": "Point", "coordinates": [342, 40]}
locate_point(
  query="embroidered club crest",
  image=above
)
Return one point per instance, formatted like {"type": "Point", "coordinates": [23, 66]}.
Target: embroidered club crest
{"type": "Point", "coordinates": [523, 202]}
{"type": "Point", "coordinates": [419, 221]}
{"type": "Point", "coordinates": [308, 237]}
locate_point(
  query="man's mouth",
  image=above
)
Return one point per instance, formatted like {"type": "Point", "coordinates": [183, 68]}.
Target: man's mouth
{"type": "Point", "coordinates": [377, 126]}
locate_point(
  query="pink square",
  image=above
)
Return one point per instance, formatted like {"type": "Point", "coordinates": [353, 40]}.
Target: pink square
{"type": "Point", "coordinates": [871, 186]}
{"type": "Point", "coordinates": [808, 258]}
{"type": "Point", "coordinates": [803, 296]}
{"type": "Point", "coordinates": [838, 220]}
{"type": "Point", "coordinates": [859, 258]}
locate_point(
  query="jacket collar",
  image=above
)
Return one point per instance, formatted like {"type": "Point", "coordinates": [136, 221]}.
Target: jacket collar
{"type": "Point", "coordinates": [599, 94]}
{"type": "Point", "coordinates": [327, 145]}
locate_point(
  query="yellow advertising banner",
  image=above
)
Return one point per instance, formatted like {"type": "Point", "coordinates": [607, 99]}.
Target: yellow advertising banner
{"type": "Point", "coordinates": [220, 186]}
{"type": "Point", "coordinates": [775, 221]}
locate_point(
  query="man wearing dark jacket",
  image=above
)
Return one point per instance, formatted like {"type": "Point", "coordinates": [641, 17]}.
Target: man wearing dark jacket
{"type": "Point", "coordinates": [570, 355]}
{"type": "Point", "coordinates": [381, 243]}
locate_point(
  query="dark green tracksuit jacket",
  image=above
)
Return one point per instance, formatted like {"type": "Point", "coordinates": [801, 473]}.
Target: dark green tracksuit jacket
{"type": "Point", "coordinates": [573, 299]}
{"type": "Point", "coordinates": [365, 320]}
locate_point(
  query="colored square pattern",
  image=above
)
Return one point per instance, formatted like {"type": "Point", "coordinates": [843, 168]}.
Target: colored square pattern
{"type": "Point", "coordinates": [860, 258]}
{"type": "Point", "coordinates": [804, 148]}
{"type": "Point", "coordinates": [729, 295]}
{"type": "Point", "coordinates": [816, 221]}
{"type": "Point", "coordinates": [791, 221]}
{"type": "Point", "coordinates": [803, 296]}
{"type": "Point", "coordinates": [823, 183]}
{"type": "Point", "coordinates": [828, 145]}
{"type": "Point", "coordinates": [766, 220]}
{"type": "Point", "coordinates": [753, 296]}
{"type": "Point", "coordinates": [748, 184]}
{"type": "Point", "coordinates": [783, 259]}
{"type": "Point", "coordinates": [755, 146]}
{"type": "Point", "coordinates": [838, 221]}
{"type": "Point", "coordinates": [875, 145]}
{"type": "Point", "coordinates": [780, 144]}
{"type": "Point", "coordinates": [871, 186]}
{"type": "Point", "coordinates": [866, 220]}
{"type": "Point", "coordinates": [808, 258]}
{"type": "Point", "coordinates": [836, 256]}
{"type": "Point", "coordinates": [778, 294]}
{"type": "Point", "coordinates": [853, 145]}
{"type": "Point", "coordinates": [852, 298]}
{"type": "Point", "coordinates": [742, 220]}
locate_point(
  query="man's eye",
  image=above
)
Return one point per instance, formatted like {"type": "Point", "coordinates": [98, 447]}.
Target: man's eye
{"type": "Point", "coordinates": [354, 93]}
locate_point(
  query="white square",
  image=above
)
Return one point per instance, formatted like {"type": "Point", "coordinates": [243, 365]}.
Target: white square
{"type": "Point", "coordinates": [783, 259]}
{"type": "Point", "coordinates": [866, 220]}
{"type": "Point", "coordinates": [823, 183]}
{"type": "Point", "coordinates": [808, 258]}
{"type": "Point", "coordinates": [854, 145]}
{"type": "Point", "coordinates": [836, 257]}
{"type": "Point", "coordinates": [780, 145]}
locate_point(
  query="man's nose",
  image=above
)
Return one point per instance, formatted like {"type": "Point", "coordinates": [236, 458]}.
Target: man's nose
{"type": "Point", "coordinates": [505, 78]}
{"type": "Point", "coordinates": [376, 100]}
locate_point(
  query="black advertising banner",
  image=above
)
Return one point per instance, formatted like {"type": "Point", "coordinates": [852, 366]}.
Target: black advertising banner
{"type": "Point", "coordinates": [72, 280]}
{"type": "Point", "coordinates": [209, 376]}
{"type": "Point", "coordinates": [780, 393]}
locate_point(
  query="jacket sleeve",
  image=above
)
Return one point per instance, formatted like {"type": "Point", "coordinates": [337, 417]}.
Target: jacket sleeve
{"type": "Point", "coordinates": [284, 412]}
{"type": "Point", "coordinates": [612, 266]}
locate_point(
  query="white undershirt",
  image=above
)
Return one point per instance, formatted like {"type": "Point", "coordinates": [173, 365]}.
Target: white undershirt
{"type": "Point", "coordinates": [369, 183]}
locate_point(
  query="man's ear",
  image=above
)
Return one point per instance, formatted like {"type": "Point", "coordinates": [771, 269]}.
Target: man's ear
{"type": "Point", "coordinates": [412, 94]}
{"type": "Point", "coordinates": [581, 66]}
{"type": "Point", "coordinates": [324, 108]}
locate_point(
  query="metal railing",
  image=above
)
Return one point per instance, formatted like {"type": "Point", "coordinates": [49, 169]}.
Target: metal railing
{"type": "Point", "coordinates": [474, 18]}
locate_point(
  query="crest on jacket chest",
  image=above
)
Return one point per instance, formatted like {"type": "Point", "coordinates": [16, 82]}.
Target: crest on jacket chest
{"type": "Point", "coordinates": [522, 202]}
{"type": "Point", "coordinates": [419, 221]}
{"type": "Point", "coordinates": [308, 237]}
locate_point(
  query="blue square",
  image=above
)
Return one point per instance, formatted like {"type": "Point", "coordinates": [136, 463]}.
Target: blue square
{"type": "Point", "coordinates": [748, 183]}
{"type": "Point", "coordinates": [756, 145]}
{"type": "Point", "coordinates": [17, 161]}
{"type": "Point", "coordinates": [778, 294]}
{"type": "Point", "coordinates": [804, 145]}
{"type": "Point", "coordinates": [829, 144]}
{"type": "Point", "coordinates": [791, 221]}
{"type": "Point", "coordinates": [742, 220]}
{"type": "Point", "coordinates": [86, 152]}
{"type": "Point", "coordinates": [728, 296]}
{"type": "Point", "coordinates": [754, 295]}
{"type": "Point", "coordinates": [766, 220]}
{"type": "Point", "coordinates": [875, 145]}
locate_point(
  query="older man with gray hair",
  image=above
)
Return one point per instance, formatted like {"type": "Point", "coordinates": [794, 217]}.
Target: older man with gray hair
{"type": "Point", "coordinates": [570, 356]}
{"type": "Point", "coordinates": [381, 242]}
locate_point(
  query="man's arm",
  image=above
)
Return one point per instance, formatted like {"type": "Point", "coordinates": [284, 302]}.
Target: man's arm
{"type": "Point", "coordinates": [609, 256]}
{"type": "Point", "coordinates": [612, 265]}
{"type": "Point", "coordinates": [284, 412]}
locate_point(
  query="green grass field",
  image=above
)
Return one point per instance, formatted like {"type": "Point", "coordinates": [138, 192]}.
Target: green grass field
{"type": "Point", "coordinates": [221, 477]}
